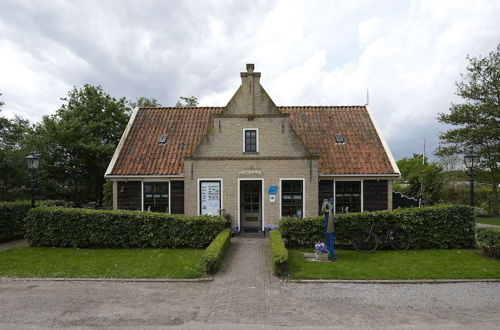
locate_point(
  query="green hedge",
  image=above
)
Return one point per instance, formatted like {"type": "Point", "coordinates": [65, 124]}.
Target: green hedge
{"type": "Point", "coordinates": [67, 227]}
{"type": "Point", "coordinates": [279, 253]}
{"type": "Point", "coordinates": [442, 227]}
{"type": "Point", "coordinates": [489, 240]}
{"type": "Point", "coordinates": [212, 258]}
{"type": "Point", "coordinates": [12, 219]}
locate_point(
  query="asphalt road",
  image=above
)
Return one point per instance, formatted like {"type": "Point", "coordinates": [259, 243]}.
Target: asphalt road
{"type": "Point", "coordinates": [50, 304]}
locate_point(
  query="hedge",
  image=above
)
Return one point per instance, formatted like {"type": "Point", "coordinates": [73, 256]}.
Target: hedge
{"type": "Point", "coordinates": [12, 219]}
{"type": "Point", "coordinates": [489, 240]}
{"type": "Point", "coordinates": [442, 227]}
{"type": "Point", "coordinates": [279, 253]}
{"type": "Point", "coordinates": [212, 258]}
{"type": "Point", "coordinates": [69, 227]}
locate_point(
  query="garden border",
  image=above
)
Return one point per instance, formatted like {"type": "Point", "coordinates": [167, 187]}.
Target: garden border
{"type": "Point", "coordinates": [422, 281]}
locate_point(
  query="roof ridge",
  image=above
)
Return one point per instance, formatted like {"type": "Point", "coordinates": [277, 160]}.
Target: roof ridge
{"type": "Point", "coordinates": [321, 106]}
{"type": "Point", "coordinates": [156, 108]}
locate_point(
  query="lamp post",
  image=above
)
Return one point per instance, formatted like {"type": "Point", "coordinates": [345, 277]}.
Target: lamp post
{"type": "Point", "coordinates": [32, 161]}
{"type": "Point", "coordinates": [471, 160]}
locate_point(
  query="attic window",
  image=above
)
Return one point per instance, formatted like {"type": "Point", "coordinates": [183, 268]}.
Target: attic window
{"type": "Point", "coordinates": [339, 138]}
{"type": "Point", "coordinates": [163, 139]}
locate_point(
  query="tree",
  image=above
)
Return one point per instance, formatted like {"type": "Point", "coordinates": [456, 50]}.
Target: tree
{"type": "Point", "coordinates": [187, 102]}
{"type": "Point", "coordinates": [144, 102]}
{"type": "Point", "coordinates": [78, 141]}
{"type": "Point", "coordinates": [476, 121]}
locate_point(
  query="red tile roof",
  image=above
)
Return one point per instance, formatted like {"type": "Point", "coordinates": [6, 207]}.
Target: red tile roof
{"type": "Point", "coordinates": [363, 152]}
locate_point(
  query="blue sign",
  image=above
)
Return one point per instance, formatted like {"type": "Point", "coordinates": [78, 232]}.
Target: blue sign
{"type": "Point", "coordinates": [273, 190]}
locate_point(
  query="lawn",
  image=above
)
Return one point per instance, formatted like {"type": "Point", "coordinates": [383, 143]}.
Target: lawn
{"type": "Point", "coordinates": [101, 263]}
{"type": "Point", "coordinates": [412, 264]}
{"type": "Point", "coordinates": [489, 221]}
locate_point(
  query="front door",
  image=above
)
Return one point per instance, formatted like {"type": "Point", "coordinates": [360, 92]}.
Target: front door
{"type": "Point", "coordinates": [251, 205]}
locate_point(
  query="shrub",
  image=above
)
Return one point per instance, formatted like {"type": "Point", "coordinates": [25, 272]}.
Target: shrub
{"type": "Point", "coordinates": [480, 212]}
{"type": "Point", "coordinates": [279, 253]}
{"type": "Point", "coordinates": [443, 227]}
{"type": "Point", "coordinates": [489, 240]}
{"type": "Point", "coordinates": [214, 254]}
{"type": "Point", "coordinates": [65, 227]}
{"type": "Point", "coordinates": [12, 219]}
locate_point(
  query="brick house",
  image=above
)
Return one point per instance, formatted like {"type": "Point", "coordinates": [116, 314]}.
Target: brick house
{"type": "Point", "coordinates": [251, 159]}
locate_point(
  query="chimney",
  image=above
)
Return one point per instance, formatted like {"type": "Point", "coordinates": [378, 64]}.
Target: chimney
{"type": "Point", "coordinates": [249, 80]}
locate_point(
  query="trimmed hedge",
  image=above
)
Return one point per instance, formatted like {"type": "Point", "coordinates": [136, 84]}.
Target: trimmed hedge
{"type": "Point", "coordinates": [12, 219]}
{"type": "Point", "coordinates": [489, 240]}
{"type": "Point", "coordinates": [442, 227]}
{"type": "Point", "coordinates": [68, 227]}
{"type": "Point", "coordinates": [279, 253]}
{"type": "Point", "coordinates": [212, 258]}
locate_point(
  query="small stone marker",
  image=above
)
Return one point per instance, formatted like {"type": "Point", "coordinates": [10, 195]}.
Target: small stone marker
{"type": "Point", "coordinates": [311, 256]}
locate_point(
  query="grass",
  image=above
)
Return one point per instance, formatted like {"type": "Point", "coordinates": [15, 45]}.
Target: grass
{"type": "Point", "coordinates": [101, 263]}
{"type": "Point", "coordinates": [412, 264]}
{"type": "Point", "coordinates": [489, 221]}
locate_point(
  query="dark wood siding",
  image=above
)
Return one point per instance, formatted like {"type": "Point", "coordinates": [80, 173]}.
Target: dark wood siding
{"type": "Point", "coordinates": [374, 195]}
{"type": "Point", "coordinates": [325, 191]}
{"type": "Point", "coordinates": [129, 195]}
{"type": "Point", "coordinates": [177, 197]}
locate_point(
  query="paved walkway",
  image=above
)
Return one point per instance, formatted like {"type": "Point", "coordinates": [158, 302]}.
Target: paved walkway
{"type": "Point", "coordinates": [485, 225]}
{"type": "Point", "coordinates": [13, 244]}
{"type": "Point", "coordinates": [244, 290]}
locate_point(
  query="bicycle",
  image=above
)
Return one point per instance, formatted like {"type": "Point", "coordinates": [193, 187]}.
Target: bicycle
{"type": "Point", "coordinates": [367, 241]}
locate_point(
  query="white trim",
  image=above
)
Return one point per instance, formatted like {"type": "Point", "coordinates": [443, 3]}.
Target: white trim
{"type": "Point", "coordinates": [303, 195]}
{"type": "Point", "coordinates": [221, 191]}
{"type": "Point", "coordinates": [384, 143]}
{"type": "Point", "coordinates": [360, 175]}
{"type": "Point", "coordinates": [125, 177]}
{"type": "Point", "coordinates": [159, 181]}
{"type": "Point", "coordinates": [121, 143]}
{"type": "Point", "coordinates": [256, 139]}
{"type": "Point", "coordinates": [262, 198]}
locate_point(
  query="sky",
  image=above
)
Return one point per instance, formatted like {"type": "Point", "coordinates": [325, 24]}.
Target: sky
{"type": "Point", "coordinates": [406, 54]}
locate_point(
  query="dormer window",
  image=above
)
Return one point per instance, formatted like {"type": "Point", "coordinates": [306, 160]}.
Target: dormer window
{"type": "Point", "coordinates": [163, 139]}
{"type": "Point", "coordinates": [339, 138]}
{"type": "Point", "coordinates": [251, 140]}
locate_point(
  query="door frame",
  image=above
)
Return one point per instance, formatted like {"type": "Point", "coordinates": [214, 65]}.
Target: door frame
{"type": "Point", "coordinates": [262, 200]}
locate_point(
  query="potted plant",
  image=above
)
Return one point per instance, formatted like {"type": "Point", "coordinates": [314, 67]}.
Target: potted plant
{"type": "Point", "coordinates": [321, 251]}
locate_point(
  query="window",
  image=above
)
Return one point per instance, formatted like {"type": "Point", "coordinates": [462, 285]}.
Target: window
{"type": "Point", "coordinates": [250, 140]}
{"type": "Point", "coordinates": [339, 138]}
{"type": "Point", "coordinates": [292, 197]}
{"type": "Point", "coordinates": [156, 196]}
{"type": "Point", "coordinates": [347, 196]}
{"type": "Point", "coordinates": [163, 139]}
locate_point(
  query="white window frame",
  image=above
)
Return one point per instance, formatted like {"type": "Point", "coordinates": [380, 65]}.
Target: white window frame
{"type": "Point", "coordinates": [335, 193]}
{"type": "Point", "coordinates": [256, 140]}
{"type": "Point", "coordinates": [221, 192]}
{"type": "Point", "coordinates": [303, 195]}
{"type": "Point", "coordinates": [156, 181]}
{"type": "Point", "coordinates": [262, 199]}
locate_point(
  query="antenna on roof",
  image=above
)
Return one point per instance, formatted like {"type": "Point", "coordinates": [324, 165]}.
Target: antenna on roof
{"type": "Point", "coordinates": [367, 97]}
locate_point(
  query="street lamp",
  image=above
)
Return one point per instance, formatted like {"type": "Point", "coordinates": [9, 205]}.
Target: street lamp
{"type": "Point", "coordinates": [32, 161]}
{"type": "Point", "coordinates": [471, 160]}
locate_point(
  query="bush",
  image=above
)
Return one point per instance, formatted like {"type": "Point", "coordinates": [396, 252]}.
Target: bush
{"type": "Point", "coordinates": [279, 253]}
{"type": "Point", "coordinates": [65, 227]}
{"type": "Point", "coordinates": [480, 212]}
{"type": "Point", "coordinates": [443, 227]}
{"type": "Point", "coordinates": [212, 258]}
{"type": "Point", "coordinates": [12, 219]}
{"type": "Point", "coordinates": [489, 240]}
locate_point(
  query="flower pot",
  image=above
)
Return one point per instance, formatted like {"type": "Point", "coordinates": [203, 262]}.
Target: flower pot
{"type": "Point", "coordinates": [320, 256]}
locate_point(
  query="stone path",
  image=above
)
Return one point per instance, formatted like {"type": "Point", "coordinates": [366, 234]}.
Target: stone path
{"type": "Point", "coordinates": [485, 225]}
{"type": "Point", "coordinates": [244, 290]}
{"type": "Point", "coordinates": [13, 244]}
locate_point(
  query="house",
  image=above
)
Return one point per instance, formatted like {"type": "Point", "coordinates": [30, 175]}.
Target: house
{"type": "Point", "coordinates": [252, 160]}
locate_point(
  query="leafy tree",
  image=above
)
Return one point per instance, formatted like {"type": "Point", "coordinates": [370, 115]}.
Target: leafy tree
{"type": "Point", "coordinates": [13, 173]}
{"type": "Point", "coordinates": [144, 102]}
{"type": "Point", "coordinates": [78, 141]}
{"type": "Point", "coordinates": [476, 121]}
{"type": "Point", "coordinates": [187, 102]}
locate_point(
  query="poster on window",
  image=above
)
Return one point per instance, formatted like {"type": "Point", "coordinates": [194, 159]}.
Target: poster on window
{"type": "Point", "coordinates": [210, 197]}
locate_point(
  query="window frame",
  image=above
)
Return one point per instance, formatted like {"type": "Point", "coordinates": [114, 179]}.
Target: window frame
{"type": "Point", "coordinates": [156, 181]}
{"type": "Point", "coordinates": [303, 195]}
{"type": "Point", "coordinates": [335, 192]}
{"type": "Point", "coordinates": [256, 140]}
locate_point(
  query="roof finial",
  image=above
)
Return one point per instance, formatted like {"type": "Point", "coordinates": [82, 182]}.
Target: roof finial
{"type": "Point", "coordinates": [250, 67]}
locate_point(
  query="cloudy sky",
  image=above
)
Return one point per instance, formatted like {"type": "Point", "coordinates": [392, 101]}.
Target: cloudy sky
{"type": "Point", "coordinates": [408, 54]}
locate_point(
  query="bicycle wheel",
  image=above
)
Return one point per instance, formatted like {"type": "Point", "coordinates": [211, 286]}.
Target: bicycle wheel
{"type": "Point", "coordinates": [399, 239]}
{"type": "Point", "coordinates": [364, 241]}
